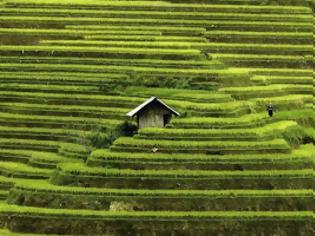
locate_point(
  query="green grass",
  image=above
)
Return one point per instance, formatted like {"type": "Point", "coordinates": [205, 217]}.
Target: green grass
{"type": "Point", "coordinates": [254, 34]}
{"type": "Point", "coordinates": [74, 150]}
{"type": "Point", "coordinates": [41, 133]}
{"type": "Point", "coordinates": [148, 71]}
{"type": "Point", "coordinates": [178, 94]}
{"type": "Point", "coordinates": [50, 88]}
{"type": "Point", "coordinates": [274, 90]}
{"type": "Point", "coordinates": [56, 121]}
{"type": "Point", "coordinates": [281, 79]}
{"type": "Point", "coordinates": [261, 60]}
{"type": "Point", "coordinates": [285, 49]}
{"type": "Point", "coordinates": [117, 101]}
{"type": "Point", "coordinates": [48, 159]}
{"type": "Point", "coordinates": [12, 209]}
{"type": "Point", "coordinates": [131, 144]}
{"type": "Point", "coordinates": [45, 187]}
{"type": "Point", "coordinates": [29, 144]}
{"type": "Point", "coordinates": [6, 183]}
{"type": "Point", "coordinates": [298, 159]}
{"type": "Point", "coordinates": [297, 72]}
{"type": "Point", "coordinates": [62, 76]}
{"type": "Point", "coordinates": [189, 64]}
{"type": "Point", "coordinates": [282, 103]}
{"type": "Point", "coordinates": [34, 158]}
{"type": "Point", "coordinates": [248, 120]}
{"type": "Point", "coordinates": [209, 24]}
{"type": "Point", "coordinates": [304, 117]}
{"type": "Point", "coordinates": [270, 130]}
{"type": "Point", "coordinates": [147, 5]}
{"type": "Point", "coordinates": [135, 38]}
{"type": "Point", "coordinates": [241, 57]}
{"type": "Point", "coordinates": [66, 111]}
{"type": "Point", "coordinates": [112, 52]}
{"type": "Point", "coordinates": [155, 14]}
{"type": "Point", "coordinates": [107, 156]}
{"type": "Point", "coordinates": [166, 30]}
{"type": "Point", "coordinates": [121, 44]}
{"type": "Point", "coordinates": [78, 169]}
{"type": "Point", "coordinates": [42, 145]}
{"type": "Point", "coordinates": [13, 155]}
{"type": "Point", "coordinates": [213, 47]}
{"type": "Point", "coordinates": [20, 170]}
{"type": "Point", "coordinates": [7, 232]}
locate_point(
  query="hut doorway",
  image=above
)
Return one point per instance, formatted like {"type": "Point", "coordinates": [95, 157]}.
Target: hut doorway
{"type": "Point", "coordinates": [166, 119]}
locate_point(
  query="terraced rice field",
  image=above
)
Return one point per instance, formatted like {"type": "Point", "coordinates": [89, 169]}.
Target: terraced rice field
{"type": "Point", "coordinates": [71, 70]}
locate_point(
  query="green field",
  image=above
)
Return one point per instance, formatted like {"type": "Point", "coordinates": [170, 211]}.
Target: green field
{"type": "Point", "coordinates": [72, 163]}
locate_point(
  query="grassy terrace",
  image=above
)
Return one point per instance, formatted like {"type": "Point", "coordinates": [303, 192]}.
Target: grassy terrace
{"type": "Point", "coordinates": [51, 88]}
{"type": "Point", "coordinates": [9, 233]}
{"type": "Point", "coordinates": [22, 156]}
{"type": "Point", "coordinates": [122, 44]}
{"type": "Point", "coordinates": [264, 60]}
{"type": "Point", "coordinates": [63, 78]}
{"type": "Point", "coordinates": [104, 155]}
{"type": "Point", "coordinates": [120, 101]}
{"type": "Point", "coordinates": [165, 30]}
{"type": "Point", "coordinates": [275, 90]}
{"type": "Point", "coordinates": [281, 71]}
{"type": "Point", "coordinates": [154, 14]}
{"type": "Point", "coordinates": [74, 173]}
{"type": "Point", "coordinates": [208, 24]}
{"type": "Point", "coordinates": [214, 47]}
{"type": "Point", "coordinates": [42, 145]}
{"type": "Point", "coordinates": [221, 147]}
{"type": "Point", "coordinates": [11, 119]}
{"type": "Point", "coordinates": [74, 32]}
{"type": "Point", "coordinates": [261, 79]}
{"type": "Point", "coordinates": [137, 38]}
{"type": "Point", "coordinates": [288, 102]}
{"type": "Point", "coordinates": [11, 210]}
{"type": "Point", "coordinates": [188, 64]}
{"type": "Point", "coordinates": [117, 220]}
{"type": "Point", "coordinates": [34, 158]}
{"type": "Point", "coordinates": [46, 187]}
{"type": "Point", "coordinates": [186, 199]}
{"type": "Point", "coordinates": [179, 94]}
{"type": "Point", "coordinates": [298, 159]}
{"type": "Point", "coordinates": [76, 168]}
{"type": "Point", "coordinates": [259, 37]}
{"type": "Point", "coordinates": [268, 131]}
{"type": "Point", "coordinates": [207, 75]}
{"type": "Point", "coordinates": [65, 110]}
{"type": "Point", "coordinates": [249, 120]}
{"type": "Point", "coordinates": [23, 131]}
{"type": "Point", "coordinates": [20, 170]}
{"type": "Point", "coordinates": [147, 5]}
{"type": "Point", "coordinates": [105, 100]}
{"type": "Point", "coordinates": [100, 52]}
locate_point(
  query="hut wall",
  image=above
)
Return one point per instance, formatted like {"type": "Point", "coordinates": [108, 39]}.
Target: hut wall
{"type": "Point", "coordinates": [152, 116]}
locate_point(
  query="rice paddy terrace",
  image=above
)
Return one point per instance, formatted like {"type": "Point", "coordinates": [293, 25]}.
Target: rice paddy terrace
{"type": "Point", "coordinates": [71, 70]}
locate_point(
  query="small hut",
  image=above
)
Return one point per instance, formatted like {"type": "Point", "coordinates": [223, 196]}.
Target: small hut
{"type": "Point", "coordinates": [153, 113]}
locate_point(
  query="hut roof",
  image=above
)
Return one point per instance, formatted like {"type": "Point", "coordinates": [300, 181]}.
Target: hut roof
{"type": "Point", "coordinates": [139, 108]}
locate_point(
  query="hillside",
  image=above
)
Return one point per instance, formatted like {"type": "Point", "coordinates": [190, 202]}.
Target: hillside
{"type": "Point", "coordinates": [71, 162]}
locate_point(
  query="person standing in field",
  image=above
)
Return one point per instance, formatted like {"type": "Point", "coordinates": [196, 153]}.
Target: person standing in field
{"type": "Point", "coordinates": [270, 109]}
